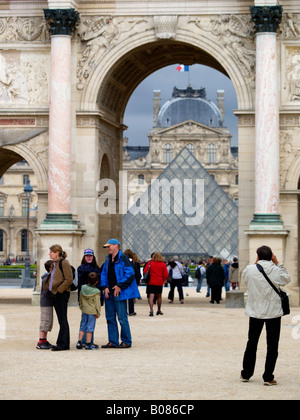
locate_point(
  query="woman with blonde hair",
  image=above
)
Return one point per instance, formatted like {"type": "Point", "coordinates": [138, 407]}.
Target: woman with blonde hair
{"type": "Point", "coordinates": [158, 276]}
{"type": "Point", "coordinates": [59, 284]}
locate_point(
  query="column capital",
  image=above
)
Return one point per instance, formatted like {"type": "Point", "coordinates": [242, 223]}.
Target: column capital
{"type": "Point", "coordinates": [61, 21]}
{"type": "Point", "coordinates": [266, 18]}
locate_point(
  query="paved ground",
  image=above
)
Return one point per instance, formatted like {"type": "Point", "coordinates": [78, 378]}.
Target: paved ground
{"type": "Point", "coordinates": [193, 352]}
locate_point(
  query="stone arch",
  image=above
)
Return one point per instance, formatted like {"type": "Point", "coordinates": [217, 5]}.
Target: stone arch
{"type": "Point", "coordinates": [293, 175]}
{"type": "Point", "coordinates": [17, 152]}
{"type": "Point", "coordinates": [123, 64]}
{"type": "Point", "coordinates": [131, 61]}
{"type": "Point", "coordinates": [105, 167]}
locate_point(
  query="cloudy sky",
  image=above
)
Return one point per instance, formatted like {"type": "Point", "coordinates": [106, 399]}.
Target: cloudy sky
{"type": "Point", "coordinates": [139, 111]}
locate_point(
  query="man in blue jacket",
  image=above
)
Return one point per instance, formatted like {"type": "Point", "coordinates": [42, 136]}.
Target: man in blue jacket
{"type": "Point", "coordinates": [119, 284]}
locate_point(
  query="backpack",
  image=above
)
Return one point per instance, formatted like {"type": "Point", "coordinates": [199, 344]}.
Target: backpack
{"type": "Point", "coordinates": [74, 285]}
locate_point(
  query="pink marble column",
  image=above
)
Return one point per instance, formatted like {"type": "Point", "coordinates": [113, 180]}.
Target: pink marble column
{"type": "Point", "coordinates": [267, 20]}
{"type": "Point", "coordinates": [62, 23]}
{"type": "Point", "coordinates": [59, 190]}
{"type": "Point", "coordinates": [266, 126]}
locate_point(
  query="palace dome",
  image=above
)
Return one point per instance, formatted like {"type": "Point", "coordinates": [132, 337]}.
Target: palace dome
{"type": "Point", "coordinates": [189, 104]}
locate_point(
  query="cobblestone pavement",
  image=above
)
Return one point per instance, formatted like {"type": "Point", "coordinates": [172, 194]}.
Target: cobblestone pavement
{"type": "Point", "coordinates": [193, 352]}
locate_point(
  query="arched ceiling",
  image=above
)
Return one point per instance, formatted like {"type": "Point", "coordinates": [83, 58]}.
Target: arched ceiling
{"type": "Point", "coordinates": [7, 159]}
{"type": "Point", "coordinates": [136, 66]}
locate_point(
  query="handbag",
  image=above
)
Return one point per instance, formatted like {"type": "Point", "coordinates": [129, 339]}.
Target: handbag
{"type": "Point", "coordinates": [283, 296]}
{"type": "Point", "coordinates": [146, 277]}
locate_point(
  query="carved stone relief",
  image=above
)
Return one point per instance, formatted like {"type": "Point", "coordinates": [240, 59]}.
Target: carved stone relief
{"type": "Point", "coordinates": [290, 26]}
{"type": "Point", "coordinates": [235, 34]}
{"type": "Point", "coordinates": [165, 27]}
{"type": "Point", "coordinates": [23, 78]}
{"type": "Point", "coordinates": [99, 35]}
{"type": "Point", "coordinates": [292, 87]}
{"type": "Point", "coordinates": [23, 29]}
{"type": "Point", "coordinates": [288, 152]}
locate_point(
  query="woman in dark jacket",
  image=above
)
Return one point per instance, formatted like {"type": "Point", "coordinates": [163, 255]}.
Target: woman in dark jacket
{"type": "Point", "coordinates": [215, 276]}
{"type": "Point", "coordinates": [88, 265]}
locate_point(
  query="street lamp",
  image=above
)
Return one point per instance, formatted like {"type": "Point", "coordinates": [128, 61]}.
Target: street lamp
{"type": "Point", "coordinates": [26, 281]}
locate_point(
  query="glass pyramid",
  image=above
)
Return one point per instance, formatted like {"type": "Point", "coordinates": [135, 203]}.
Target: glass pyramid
{"type": "Point", "coordinates": [189, 215]}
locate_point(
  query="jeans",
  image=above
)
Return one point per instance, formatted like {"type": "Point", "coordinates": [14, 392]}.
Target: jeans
{"type": "Point", "coordinates": [199, 285]}
{"type": "Point", "coordinates": [273, 334]}
{"type": "Point", "coordinates": [114, 306]}
{"type": "Point", "coordinates": [61, 308]}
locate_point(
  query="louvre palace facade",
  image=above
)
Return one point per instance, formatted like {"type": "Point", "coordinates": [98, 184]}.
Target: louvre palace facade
{"type": "Point", "coordinates": [68, 69]}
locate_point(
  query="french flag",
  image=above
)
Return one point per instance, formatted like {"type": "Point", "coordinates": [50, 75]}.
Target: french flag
{"type": "Point", "coordinates": [182, 67]}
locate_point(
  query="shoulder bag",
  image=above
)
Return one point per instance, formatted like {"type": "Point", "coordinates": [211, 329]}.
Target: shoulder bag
{"type": "Point", "coordinates": [146, 277]}
{"type": "Point", "coordinates": [283, 296]}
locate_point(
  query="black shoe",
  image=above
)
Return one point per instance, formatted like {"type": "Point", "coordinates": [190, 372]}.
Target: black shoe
{"type": "Point", "coordinates": [79, 345]}
{"type": "Point", "coordinates": [123, 346]}
{"type": "Point", "coordinates": [108, 346]}
{"type": "Point", "coordinates": [57, 348]}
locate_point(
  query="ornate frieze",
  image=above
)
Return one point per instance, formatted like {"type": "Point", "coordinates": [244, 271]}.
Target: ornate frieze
{"type": "Point", "coordinates": [99, 35]}
{"type": "Point", "coordinates": [23, 78]}
{"type": "Point", "coordinates": [23, 29]}
{"type": "Point", "coordinates": [292, 64]}
{"type": "Point", "coordinates": [234, 34]}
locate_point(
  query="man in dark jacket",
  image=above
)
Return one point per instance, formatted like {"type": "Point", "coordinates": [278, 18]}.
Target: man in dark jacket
{"type": "Point", "coordinates": [215, 276]}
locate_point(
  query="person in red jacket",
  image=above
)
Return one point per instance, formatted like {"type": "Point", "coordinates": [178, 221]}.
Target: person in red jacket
{"type": "Point", "coordinates": [158, 277]}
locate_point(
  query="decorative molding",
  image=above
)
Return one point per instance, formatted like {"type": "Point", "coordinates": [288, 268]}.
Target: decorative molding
{"type": "Point", "coordinates": [165, 26]}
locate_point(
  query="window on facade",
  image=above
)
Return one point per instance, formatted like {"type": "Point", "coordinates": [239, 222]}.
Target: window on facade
{"type": "Point", "coordinates": [1, 206]}
{"type": "Point", "coordinates": [191, 148]}
{"type": "Point", "coordinates": [168, 153]}
{"type": "Point", "coordinates": [24, 207]}
{"type": "Point", "coordinates": [211, 153]}
{"type": "Point", "coordinates": [1, 240]}
{"type": "Point", "coordinates": [236, 180]}
{"type": "Point", "coordinates": [23, 240]}
{"type": "Point", "coordinates": [141, 179]}
{"type": "Point", "coordinates": [25, 179]}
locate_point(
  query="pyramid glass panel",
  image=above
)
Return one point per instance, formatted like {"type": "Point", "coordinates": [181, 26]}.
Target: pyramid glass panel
{"type": "Point", "coordinates": [189, 215]}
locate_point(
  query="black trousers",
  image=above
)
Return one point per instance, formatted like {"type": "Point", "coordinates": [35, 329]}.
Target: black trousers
{"type": "Point", "coordinates": [273, 334]}
{"type": "Point", "coordinates": [176, 283]}
{"type": "Point", "coordinates": [216, 293]}
{"type": "Point", "coordinates": [61, 308]}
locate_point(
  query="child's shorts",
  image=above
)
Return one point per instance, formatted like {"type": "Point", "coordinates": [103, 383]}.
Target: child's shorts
{"type": "Point", "coordinates": [88, 323]}
{"type": "Point", "coordinates": [46, 318]}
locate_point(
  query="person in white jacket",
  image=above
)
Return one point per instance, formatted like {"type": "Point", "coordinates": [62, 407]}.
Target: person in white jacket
{"type": "Point", "coordinates": [263, 307]}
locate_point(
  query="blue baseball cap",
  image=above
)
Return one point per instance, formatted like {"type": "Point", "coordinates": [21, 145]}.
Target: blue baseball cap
{"type": "Point", "coordinates": [111, 242]}
{"type": "Point", "coordinates": [89, 251]}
